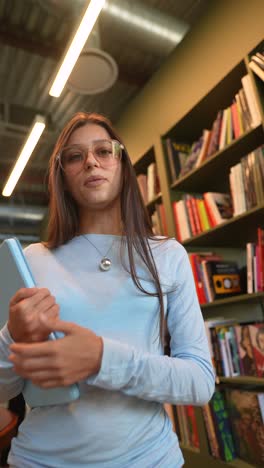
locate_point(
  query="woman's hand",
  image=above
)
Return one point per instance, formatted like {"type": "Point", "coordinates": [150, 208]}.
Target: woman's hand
{"type": "Point", "coordinates": [61, 362]}
{"type": "Point", "coordinates": [25, 308]}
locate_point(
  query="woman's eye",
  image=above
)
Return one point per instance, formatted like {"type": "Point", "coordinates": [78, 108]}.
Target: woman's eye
{"type": "Point", "coordinates": [75, 157]}
{"type": "Point", "coordinates": [103, 152]}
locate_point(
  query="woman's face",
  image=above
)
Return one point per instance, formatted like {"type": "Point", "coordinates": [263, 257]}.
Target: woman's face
{"type": "Point", "coordinates": [94, 187]}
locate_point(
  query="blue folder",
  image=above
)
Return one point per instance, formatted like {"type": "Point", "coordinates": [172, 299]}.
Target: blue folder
{"type": "Point", "coordinates": [15, 274]}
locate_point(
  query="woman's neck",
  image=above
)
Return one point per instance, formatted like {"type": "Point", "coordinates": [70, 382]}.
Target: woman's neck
{"type": "Point", "coordinates": [96, 223]}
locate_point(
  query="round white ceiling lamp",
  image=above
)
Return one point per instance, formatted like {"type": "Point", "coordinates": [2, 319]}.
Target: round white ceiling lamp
{"type": "Point", "coordinates": [95, 70]}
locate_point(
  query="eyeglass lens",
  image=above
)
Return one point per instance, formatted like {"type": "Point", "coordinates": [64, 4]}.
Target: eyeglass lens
{"type": "Point", "coordinates": [106, 152]}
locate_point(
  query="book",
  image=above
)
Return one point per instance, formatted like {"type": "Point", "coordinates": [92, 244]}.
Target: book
{"type": "Point", "coordinates": [204, 147]}
{"type": "Point", "coordinates": [220, 206]}
{"type": "Point", "coordinates": [214, 139]}
{"type": "Point", "coordinates": [259, 60]}
{"type": "Point", "coordinates": [251, 100]}
{"type": "Point", "coordinates": [225, 278]}
{"type": "Point", "coordinates": [15, 273]}
{"type": "Point", "coordinates": [260, 237]}
{"type": "Point", "coordinates": [142, 183]}
{"type": "Point", "coordinates": [177, 155]}
{"type": "Point", "coordinates": [192, 157]}
{"type": "Point", "coordinates": [222, 426]}
{"type": "Point", "coordinates": [245, 350]}
{"type": "Point", "coordinates": [256, 332]}
{"type": "Point", "coordinates": [247, 424]}
{"type": "Point", "coordinates": [257, 68]}
{"type": "Point", "coordinates": [210, 430]}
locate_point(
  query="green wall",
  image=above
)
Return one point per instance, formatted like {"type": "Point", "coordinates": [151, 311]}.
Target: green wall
{"type": "Point", "coordinates": [225, 33]}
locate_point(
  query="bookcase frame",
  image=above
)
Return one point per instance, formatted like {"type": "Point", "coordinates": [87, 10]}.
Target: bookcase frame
{"type": "Point", "coordinates": [212, 175]}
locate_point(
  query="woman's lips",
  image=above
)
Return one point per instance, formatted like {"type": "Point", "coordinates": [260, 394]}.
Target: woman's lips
{"type": "Point", "coordinates": [94, 181]}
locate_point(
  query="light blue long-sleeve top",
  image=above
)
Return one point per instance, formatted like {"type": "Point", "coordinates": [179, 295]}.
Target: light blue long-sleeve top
{"type": "Point", "coordinates": [119, 420]}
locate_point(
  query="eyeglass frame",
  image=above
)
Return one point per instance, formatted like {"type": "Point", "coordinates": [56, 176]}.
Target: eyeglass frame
{"type": "Point", "coordinates": [58, 155]}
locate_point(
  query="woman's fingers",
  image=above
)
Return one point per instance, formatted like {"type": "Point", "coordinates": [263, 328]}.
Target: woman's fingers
{"type": "Point", "coordinates": [23, 293]}
{"type": "Point", "coordinates": [26, 307]}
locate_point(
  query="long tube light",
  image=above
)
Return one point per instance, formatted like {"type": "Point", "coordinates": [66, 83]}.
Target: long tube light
{"type": "Point", "coordinates": [28, 148]}
{"type": "Point", "coordinates": [87, 23]}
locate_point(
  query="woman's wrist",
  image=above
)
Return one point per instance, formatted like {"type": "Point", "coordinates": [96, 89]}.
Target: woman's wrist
{"type": "Point", "coordinates": [99, 354]}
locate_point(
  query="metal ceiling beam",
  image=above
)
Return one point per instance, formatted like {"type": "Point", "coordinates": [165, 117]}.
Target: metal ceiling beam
{"type": "Point", "coordinates": [14, 37]}
{"type": "Point", "coordinates": [21, 39]}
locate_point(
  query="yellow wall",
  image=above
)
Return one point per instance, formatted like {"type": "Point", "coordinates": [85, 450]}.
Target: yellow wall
{"type": "Point", "coordinates": [225, 34]}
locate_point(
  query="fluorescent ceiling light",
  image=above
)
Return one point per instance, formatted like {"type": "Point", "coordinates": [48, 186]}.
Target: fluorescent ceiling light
{"type": "Point", "coordinates": [88, 21]}
{"type": "Point", "coordinates": [34, 136]}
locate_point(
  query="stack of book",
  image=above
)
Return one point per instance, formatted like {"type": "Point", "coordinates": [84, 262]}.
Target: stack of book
{"type": "Point", "coordinates": [255, 263]}
{"type": "Point", "coordinates": [214, 277]}
{"type": "Point", "coordinates": [158, 219]}
{"type": "Point", "coordinates": [218, 428]}
{"type": "Point", "coordinates": [233, 421]}
{"type": "Point", "coordinates": [246, 410]}
{"type": "Point", "coordinates": [247, 181]}
{"type": "Point", "coordinates": [257, 64]}
{"type": "Point", "coordinates": [149, 183]}
{"type": "Point", "coordinates": [230, 123]}
{"type": "Point", "coordinates": [236, 348]}
{"type": "Point", "coordinates": [177, 154]}
{"type": "Point", "coordinates": [186, 426]}
{"type": "Point", "coordinates": [195, 214]}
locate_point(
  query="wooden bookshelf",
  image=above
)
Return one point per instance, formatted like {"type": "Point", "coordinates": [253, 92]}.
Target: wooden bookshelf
{"type": "Point", "coordinates": [242, 380]}
{"type": "Point", "coordinates": [196, 459]}
{"type": "Point", "coordinates": [216, 168]}
{"type": "Point", "coordinates": [234, 232]}
{"type": "Point", "coordinates": [254, 298]}
{"type": "Point", "coordinates": [213, 176]}
{"type": "Point", "coordinates": [151, 204]}
{"type": "Point", "coordinates": [141, 165]}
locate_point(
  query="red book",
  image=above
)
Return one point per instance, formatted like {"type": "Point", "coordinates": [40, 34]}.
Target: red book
{"type": "Point", "coordinates": [194, 439]}
{"type": "Point", "coordinates": [260, 233]}
{"type": "Point", "coordinates": [196, 215]}
{"type": "Point", "coordinates": [235, 120]}
{"type": "Point", "coordinates": [191, 214]}
{"type": "Point", "coordinates": [176, 221]}
{"type": "Point", "coordinates": [161, 209]}
{"type": "Point", "coordinates": [197, 278]}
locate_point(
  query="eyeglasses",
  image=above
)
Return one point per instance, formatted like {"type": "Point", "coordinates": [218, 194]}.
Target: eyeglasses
{"type": "Point", "coordinates": [106, 152]}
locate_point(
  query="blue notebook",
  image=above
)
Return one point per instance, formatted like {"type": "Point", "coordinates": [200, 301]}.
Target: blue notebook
{"type": "Point", "coordinates": [15, 274]}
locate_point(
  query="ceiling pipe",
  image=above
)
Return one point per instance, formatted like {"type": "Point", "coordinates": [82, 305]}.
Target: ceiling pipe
{"type": "Point", "coordinates": [148, 27]}
{"type": "Point", "coordinates": [25, 214]}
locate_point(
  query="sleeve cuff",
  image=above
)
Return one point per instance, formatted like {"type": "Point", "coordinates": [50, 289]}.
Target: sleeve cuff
{"type": "Point", "coordinates": [117, 359]}
{"type": "Point", "coordinates": [6, 335]}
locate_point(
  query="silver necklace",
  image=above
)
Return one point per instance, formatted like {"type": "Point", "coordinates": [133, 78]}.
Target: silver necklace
{"type": "Point", "coordinates": [105, 263]}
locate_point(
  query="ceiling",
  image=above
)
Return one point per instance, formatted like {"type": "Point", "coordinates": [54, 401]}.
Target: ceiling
{"type": "Point", "coordinates": [33, 37]}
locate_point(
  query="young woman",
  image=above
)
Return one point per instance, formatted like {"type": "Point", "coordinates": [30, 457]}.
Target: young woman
{"type": "Point", "coordinates": [112, 289]}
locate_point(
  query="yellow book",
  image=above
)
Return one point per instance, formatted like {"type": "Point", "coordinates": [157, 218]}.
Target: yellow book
{"type": "Point", "coordinates": [229, 127]}
{"type": "Point", "coordinates": [203, 215]}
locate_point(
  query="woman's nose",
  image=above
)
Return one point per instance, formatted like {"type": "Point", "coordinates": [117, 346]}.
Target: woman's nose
{"type": "Point", "coordinates": [90, 159]}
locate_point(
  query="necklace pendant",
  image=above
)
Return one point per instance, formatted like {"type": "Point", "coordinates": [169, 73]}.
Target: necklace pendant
{"type": "Point", "coordinates": [105, 264]}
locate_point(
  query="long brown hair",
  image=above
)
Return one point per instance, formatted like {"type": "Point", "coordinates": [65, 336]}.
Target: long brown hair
{"type": "Point", "coordinates": [63, 222]}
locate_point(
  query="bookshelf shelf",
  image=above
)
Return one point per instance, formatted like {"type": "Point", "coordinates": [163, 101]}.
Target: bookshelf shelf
{"type": "Point", "coordinates": [242, 380]}
{"type": "Point", "coordinates": [142, 163]}
{"type": "Point", "coordinates": [197, 459]}
{"type": "Point", "coordinates": [151, 204]}
{"type": "Point", "coordinates": [236, 231]}
{"type": "Point", "coordinates": [209, 176]}
{"type": "Point", "coordinates": [242, 298]}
